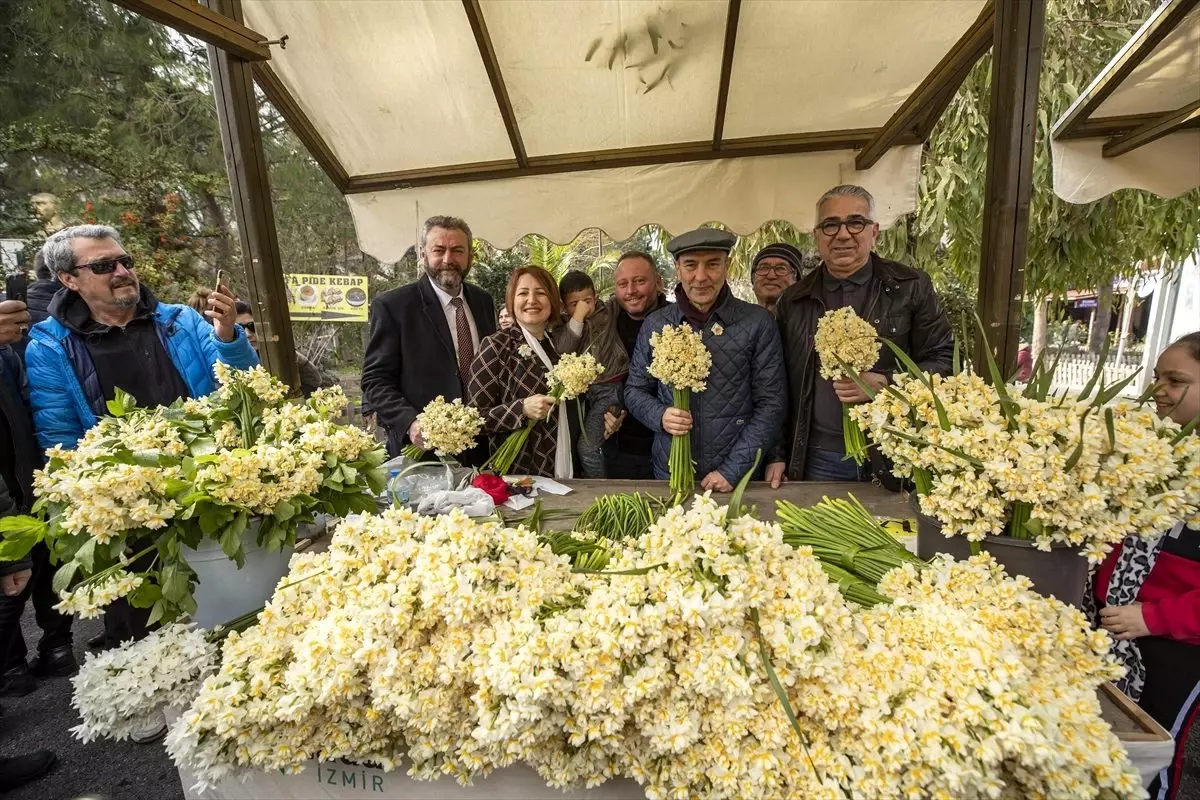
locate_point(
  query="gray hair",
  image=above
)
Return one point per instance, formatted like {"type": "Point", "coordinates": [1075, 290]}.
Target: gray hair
{"type": "Point", "coordinates": [848, 190]}
{"type": "Point", "coordinates": [58, 251]}
{"type": "Point", "coordinates": [449, 223]}
{"type": "Point", "coordinates": [40, 269]}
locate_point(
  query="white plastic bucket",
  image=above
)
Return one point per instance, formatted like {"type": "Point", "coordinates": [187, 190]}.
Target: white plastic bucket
{"type": "Point", "coordinates": [225, 592]}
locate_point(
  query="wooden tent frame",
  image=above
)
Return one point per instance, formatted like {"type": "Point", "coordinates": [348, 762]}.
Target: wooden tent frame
{"type": "Point", "coordinates": [1129, 132]}
{"type": "Point", "coordinates": [1012, 28]}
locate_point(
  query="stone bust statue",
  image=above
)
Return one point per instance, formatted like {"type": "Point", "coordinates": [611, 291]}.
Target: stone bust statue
{"type": "Point", "coordinates": [45, 208]}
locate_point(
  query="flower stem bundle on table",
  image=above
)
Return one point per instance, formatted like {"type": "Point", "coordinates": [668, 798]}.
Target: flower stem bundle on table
{"type": "Point", "coordinates": [704, 658]}
{"type": "Point", "coordinates": [847, 346]}
{"type": "Point", "coordinates": [853, 546]}
{"type": "Point", "coordinates": [568, 379]}
{"type": "Point", "coordinates": [145, 483]}
{"type": "Point", "coordinates": [682, 362]}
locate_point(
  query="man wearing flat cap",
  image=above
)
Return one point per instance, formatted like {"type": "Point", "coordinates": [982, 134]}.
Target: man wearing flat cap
{"type": "Point", "coordinates": [774, 268]}
{"type": "Point", "coordinates": [742, 409]}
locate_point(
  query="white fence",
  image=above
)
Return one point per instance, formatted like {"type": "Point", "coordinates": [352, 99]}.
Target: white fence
{"type": "Point", "coordinates": [1076, 369]}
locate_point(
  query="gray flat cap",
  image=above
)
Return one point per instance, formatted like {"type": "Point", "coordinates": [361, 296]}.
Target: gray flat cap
{"type": "Point", "coordinates": [702, 239]}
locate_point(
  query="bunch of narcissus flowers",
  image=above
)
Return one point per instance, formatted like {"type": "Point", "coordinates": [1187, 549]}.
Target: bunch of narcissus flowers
{"type": "Point", "coordinates": [118, 691]}
{"type": "Point", "coordinates": [568, 379]}
{"type": "Point", "coordinates": [142, 483]}
{"type": "Point", "coordinates": [1059, 470]}
{"type": "Point", "coordinates": [680, 360]}
{"type": "Point", "coordinates": [707, 658]}
{"type": "Point", "coordinates": [573, 374]}
{"type": "Point", "coordinates": [847, 346]}
{"type": "Point", "coordinates": [447, 428]}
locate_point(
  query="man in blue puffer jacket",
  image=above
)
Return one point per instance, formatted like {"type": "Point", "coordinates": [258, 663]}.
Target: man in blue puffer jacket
{"type": "Point", "coordinates": [109, 331]}
{"type": "Point", "coordinates": [743, 408]}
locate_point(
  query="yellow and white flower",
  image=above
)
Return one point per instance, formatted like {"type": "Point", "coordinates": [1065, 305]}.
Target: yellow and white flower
{"type": "Point", "coordinates": [449, 428]}
{"type": "Point", "coordinates": [845, 336]}
{"type": "Point", "coordinates": [573, 374]}
{"type": "Point", "coordinates": [680, 359]}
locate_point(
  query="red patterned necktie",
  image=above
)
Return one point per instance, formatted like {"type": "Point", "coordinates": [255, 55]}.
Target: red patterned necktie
{"type": "Point", "coordinates": [466, 348]}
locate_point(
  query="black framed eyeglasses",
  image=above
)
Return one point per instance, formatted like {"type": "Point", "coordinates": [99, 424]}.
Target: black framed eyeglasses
{"type": "Point", "coordinates": [773, 269]}
{"type": "Point", "coordinates": [107, 266]}
{"type": "Point", "coordinates": [854, 226]}
{"type": "Point", "coordinates": [248, 326]}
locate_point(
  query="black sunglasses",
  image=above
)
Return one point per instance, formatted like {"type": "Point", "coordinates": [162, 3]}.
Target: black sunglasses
{"type": "Point", "coordinates": [248, 326]}
{"type": "Point", "coordinates": [106, 266]}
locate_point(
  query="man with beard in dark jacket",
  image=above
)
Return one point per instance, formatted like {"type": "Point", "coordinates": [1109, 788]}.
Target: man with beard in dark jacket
{"type": "Point", "coordinates": [898, 300]}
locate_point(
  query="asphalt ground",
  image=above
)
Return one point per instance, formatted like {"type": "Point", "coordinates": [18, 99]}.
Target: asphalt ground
{"type": "Point", "coordinates": [100, 770]}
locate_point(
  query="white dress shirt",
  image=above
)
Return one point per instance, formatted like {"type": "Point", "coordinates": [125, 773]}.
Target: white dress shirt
{"type": "Point", "coordinates": [452, 317]}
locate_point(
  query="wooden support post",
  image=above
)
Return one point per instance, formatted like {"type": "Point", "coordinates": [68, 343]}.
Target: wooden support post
{"type": "Point", "coordinates": [241, 139]}
{"type": "Point", "coordinates": [1016, 64]}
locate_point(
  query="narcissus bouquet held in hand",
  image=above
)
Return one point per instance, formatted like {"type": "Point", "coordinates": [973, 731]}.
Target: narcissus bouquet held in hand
{"type": "Point", "coordinates": [680, 360]}
{"type": "Point", "coordinates": [568, 380]}
{"type": "Point", "coordinates": [448, 428]}
{"type": "Point", "coordinates": [145, 483]}
{"type": "Point", "coordinates": [847, 346]}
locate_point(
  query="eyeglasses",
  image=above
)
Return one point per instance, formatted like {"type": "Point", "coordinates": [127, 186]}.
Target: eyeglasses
{"type": "Point", "coordinates": [854, 226]}
{"type": "Point", "coordinates": [106, 266]}
{"type": "Point", "coordinates": [772, 269]}
{"type": "Point", "coordinates": [248, 326]}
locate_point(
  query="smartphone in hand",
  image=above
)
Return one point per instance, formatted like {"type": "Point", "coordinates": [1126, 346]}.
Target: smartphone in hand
{"type": "Point", "coordinates": [16, 287]}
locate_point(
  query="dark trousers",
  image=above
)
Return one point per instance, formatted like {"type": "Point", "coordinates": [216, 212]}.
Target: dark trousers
{"type": "Point", "coordinates": [123, 622]}
{"type": "Point", "coordinates": [1170, 696]}
{"type": "Point", "coordinates": [830, 465]}
{"type": "Point", "coordinates": [626, 466]}
{"type": "Point", "coordinates": [56, 627]}
{"type": "Point", "coordinates": [12, 642]}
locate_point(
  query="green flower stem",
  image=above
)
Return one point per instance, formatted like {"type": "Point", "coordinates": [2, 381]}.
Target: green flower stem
{"type": "Point", "coordinates": [1021, 514]}
{"type": "Point", "coordinates": [107, 571]}
{"type": "Point", "coordinates": [922, 480]}
{"type": "Point", "coordinates": [412, 452]}
{"type": "Point", "coordinates": [780, 693]}
{"type": "Point", "coordinates": [502, 460]}
{"type": "Point", "coordinates": [854, 438]}
{"type": "Point", "coordinates": [680, 465]}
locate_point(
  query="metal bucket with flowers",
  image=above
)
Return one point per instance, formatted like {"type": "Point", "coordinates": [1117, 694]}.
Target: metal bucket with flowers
{"type": "Point", "coordinates": [1046, 483]}
{"type": "Point", "coordinates": [127, 510]}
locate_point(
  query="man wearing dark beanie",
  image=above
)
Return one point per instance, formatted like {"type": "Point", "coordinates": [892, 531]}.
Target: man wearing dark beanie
{"type": "Point", "coordinates": [774, 268]}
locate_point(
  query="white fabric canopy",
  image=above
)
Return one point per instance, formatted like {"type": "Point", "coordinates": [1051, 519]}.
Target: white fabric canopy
{"type": "Point", "coordinates": [741, 193]}
{"type": "Point", "coordinates": [1168, 79]}
{"type": "Point", "coordinates": [400, 85]}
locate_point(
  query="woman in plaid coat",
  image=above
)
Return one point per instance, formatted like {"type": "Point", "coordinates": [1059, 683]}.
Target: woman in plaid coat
{"type": "Point", "coordinates": [508, 379]}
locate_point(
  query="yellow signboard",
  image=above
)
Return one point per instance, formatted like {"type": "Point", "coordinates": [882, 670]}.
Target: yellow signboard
{"type": "Point", "coordinates": [326, 298]}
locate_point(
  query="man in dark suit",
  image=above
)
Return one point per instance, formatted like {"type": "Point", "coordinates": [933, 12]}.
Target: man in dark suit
{"type": "Point", "coordinates": [425, 335]}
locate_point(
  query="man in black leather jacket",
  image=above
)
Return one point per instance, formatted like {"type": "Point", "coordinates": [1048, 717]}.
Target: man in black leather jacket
{"type": "Point", "coordinates": [898, 300]}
